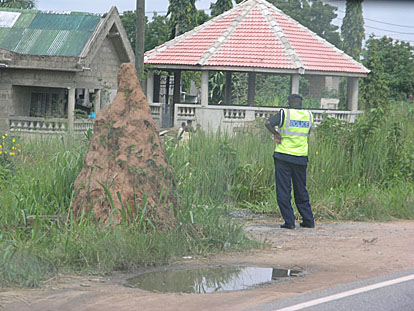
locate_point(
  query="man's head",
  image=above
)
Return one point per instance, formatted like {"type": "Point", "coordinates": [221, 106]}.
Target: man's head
{"type": "Point", "coordinates": [295, 101]}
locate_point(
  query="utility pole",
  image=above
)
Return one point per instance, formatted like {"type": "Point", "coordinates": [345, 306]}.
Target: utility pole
{"type": "Point", "coordinates": [140, 40]}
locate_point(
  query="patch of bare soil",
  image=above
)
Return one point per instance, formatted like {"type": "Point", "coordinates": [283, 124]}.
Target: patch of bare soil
{"type": "Point", "coordinates": [331, 254]}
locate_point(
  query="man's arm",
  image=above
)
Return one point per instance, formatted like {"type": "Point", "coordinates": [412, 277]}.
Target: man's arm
{"type": "Point", "coordinates": [270, 124]}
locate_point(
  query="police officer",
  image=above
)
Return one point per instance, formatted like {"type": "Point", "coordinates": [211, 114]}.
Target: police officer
{"type": "Point", "coordinates": [291, 160]}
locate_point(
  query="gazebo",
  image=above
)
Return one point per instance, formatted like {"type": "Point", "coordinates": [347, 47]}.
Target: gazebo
{"type": "Point", "coordinates": [253, 37]}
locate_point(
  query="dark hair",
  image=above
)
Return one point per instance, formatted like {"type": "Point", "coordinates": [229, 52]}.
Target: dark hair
{"type": "Point", "coordinates": [295, 100]}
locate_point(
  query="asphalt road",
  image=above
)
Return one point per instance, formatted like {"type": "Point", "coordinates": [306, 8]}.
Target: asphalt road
{"type": "Point", "coordinates": [392, 292]}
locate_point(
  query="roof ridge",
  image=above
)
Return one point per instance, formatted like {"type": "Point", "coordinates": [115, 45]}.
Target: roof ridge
{"type": "Point", "coordinates": [290, 51]}
{"type": "Point", "coordinates": [319, 38]}
{"type": "Point", "coordinates": [288, 46]}
{"type": "Point", "coordinates": [155, 51]}
{"type": "Point", "coordinates": [245, 10]}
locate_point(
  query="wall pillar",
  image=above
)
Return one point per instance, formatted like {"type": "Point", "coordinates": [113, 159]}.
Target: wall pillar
{"type": "Point", "coordinates": [204, 88]}
{"type": "Point", "coordinates": [251, 93]}
{"type": "Point", "coordinates": [353, 84]}
{"type": "Point", "coordinates": [86, 101]}
{"type": "Point", "coordinates": [97, 103]}
{"type": "Point", "coordinates": [294, 84]}
{"type": "Point", "coordinates": [150, 87]}
{"type": "Point", "coordinates": [227, 90]}
{"type": "Point", "coordinates": [4, 122]}
{"type": "Point", "coordinates": [71, 109]}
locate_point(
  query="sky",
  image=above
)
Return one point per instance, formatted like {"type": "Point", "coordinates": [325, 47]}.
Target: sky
{"type": "Point", "coordinates": [393, 18]}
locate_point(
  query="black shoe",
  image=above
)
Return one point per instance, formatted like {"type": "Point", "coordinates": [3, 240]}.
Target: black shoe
{"type": "Point", "coordinates": [286, 226]}
{"type": "Point", "coordinates": [307, 225]}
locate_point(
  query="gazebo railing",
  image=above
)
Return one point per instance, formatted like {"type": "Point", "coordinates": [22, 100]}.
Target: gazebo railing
{"type": "Point", "coordinates": [209, 118]}
{"type": "Point", "coordinates": [212, 116]}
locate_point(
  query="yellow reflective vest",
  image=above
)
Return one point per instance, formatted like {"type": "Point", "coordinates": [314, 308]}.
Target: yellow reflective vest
{"type": "Point", "coordinates": [295, 131]}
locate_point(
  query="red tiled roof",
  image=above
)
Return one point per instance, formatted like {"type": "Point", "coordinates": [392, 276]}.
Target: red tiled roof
{"type": "Point", "coordinates": [254, 34]}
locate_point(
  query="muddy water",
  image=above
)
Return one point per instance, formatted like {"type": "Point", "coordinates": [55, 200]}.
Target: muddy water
{"type": "Point", "coordinates": [209, 279]}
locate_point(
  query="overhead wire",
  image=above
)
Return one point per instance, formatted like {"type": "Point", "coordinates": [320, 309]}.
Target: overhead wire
{"type": "Point", "coordinates": [340, 11]}
{"type": "Point", "coordinates": [381, 22]}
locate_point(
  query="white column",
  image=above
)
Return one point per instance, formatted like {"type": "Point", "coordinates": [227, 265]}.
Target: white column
{"type": "Point", "coordinates": [204, 88]}
{"type": "Point", "coordinates": [353, 84]}
{"type": "Point", "coordinates": [294, 84]}
{"type": "Point", "coordinates": [150, 87]}
{"type": "Point", "coordinates": [86, 97]}
{"type": "Point", "coordinates": [97, 103]}
{"type": "Point", "coordinates": [71, 109]}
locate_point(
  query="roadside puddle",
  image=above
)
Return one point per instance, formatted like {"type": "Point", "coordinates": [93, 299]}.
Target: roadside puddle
{"type": "Point", "coordinates": [209, 279]}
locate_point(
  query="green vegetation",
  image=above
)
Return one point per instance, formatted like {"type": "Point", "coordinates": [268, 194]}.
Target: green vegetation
{"type": "Point", "coordinates": [39, 236]}
{"type": "Point", "coordinates": [352, 30]}
{"type": "Point", "coordinates": [315, 15]}
{"type": "Point", "coordinates": [392, 71]}
{"type": "Point", "coordinates": [361, 171]}
{"type": "Point", "coordinates": [18, 4]}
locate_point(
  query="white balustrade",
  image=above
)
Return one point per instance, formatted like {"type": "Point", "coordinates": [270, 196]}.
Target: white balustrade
{"type": "Point", "coordinates": [234, 113]}
{"type": "Point", "coordinates": [82, 125]}
{"type": "Point", "coordinates": [24, 124]}
{"type": "Point", "coordinates": [214, 116]}
{"type": "Point", "coordinates": [155, 110]}
{"type": "Point", "coordinates": [186, 111]}
{"type": "Point", "coordinates": [209, 118]}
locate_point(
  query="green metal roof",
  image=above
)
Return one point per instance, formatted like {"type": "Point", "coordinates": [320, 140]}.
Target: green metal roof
{"type": "Point", "coordinates": [40, 33]}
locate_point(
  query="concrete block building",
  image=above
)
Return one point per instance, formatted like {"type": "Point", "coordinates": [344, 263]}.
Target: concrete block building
{"type": "Point", "coordinates": [55, 66]}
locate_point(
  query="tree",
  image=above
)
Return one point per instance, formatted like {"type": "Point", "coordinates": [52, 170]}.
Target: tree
{"type": "Point", "coordinates": [320, 22]}
{"type": "Point", "coordinates": [220, 6]}
{"type": "Point", "coordinates": [156, 31]}
{"type": "Point", "coordinates": [392, 71]}
{"type": "Point", "coordinates": [18, 4]}
{"type": "Point", "coordinates": [202, 17]}
{"type": "Point", "coordinates": [375, 87]}
{"type": "Point", "coordinates": [183, 16]}
{"type": "Point", "coordinates": [128, 19]}
{"type": "Point", "coordinates": [315, 15]}
{"type": "Point", "coordinates": [352, 29]}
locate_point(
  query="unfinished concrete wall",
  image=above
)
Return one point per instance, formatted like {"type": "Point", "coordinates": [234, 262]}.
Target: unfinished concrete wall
{"type": "Point", "coordinates": [16, 85]}
{"type": "Point", "coordinates": [5, 92]}
{"type": "Point", "coordinates": [5, 101]}
{"type": "Point", "coordinates": [21, 101]}
{"type": "Point", "coordinates": [104, 69]}
{"type": "Point", "coordinates": [42, 78]}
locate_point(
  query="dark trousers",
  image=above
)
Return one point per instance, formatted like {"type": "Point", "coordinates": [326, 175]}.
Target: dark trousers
{"type": "Point", "coordinates": [287, 173]}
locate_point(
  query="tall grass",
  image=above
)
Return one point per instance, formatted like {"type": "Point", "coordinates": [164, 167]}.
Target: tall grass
{"type": "Point", "coordinates": [362, 171]}
{"type": "Point", "coordinates": [356, 171]}
{"type": "Point", "coordinates": [365, 170]}
{"type": "Point", "coordinates": [210, 165]}
{"type": "Point", "coordinates": [39, 236]}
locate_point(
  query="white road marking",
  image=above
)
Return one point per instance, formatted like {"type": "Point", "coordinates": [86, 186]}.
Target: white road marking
{"type": "Point", "coordinates": [346, 294]}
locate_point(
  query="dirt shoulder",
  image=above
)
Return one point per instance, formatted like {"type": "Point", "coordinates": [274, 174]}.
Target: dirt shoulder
{"type": "Point", "coordinates": [331, 254]}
